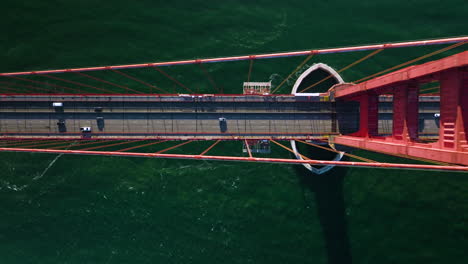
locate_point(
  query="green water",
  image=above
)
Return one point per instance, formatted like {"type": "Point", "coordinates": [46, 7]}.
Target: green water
{"type": "Point", "coordinates": [127, 210]}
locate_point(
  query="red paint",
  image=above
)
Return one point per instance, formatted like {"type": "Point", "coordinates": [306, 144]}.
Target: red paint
{"type": "Point", "coordinates": [452, 146]}
{"type": "Point", "coordinates": [250, 57]}
{"type": "Point", "coordinates": [249, 159]}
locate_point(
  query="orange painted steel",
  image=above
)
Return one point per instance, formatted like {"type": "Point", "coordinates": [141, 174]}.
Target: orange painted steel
{"type": "Point", "coordinates": [336, 151]}
{"type": "Point", "coordinates": [77, 83]}
{"type": "Point", "coordinates": [26, 86]}
{"type": "Point", "coordinates": [451, 147]}
{"type": "Point", "coordinates": [257, 56]}
{"type": "Point", "coordinates": [81, 144]}
{"type": "Point", "coordinates": [344, 69]}
{"type": "Point", "coordinates": [208, 76]}
{"type": "Point", "coordinates": [248, 148]}
{"type": "Point", "coordinates": [430, 88]}
{"type": "Point", "coordinates": [293, 72]}
{"type": "Point", "coordinates": [141, 146]}
{"type": "Point", "coordinates": [18, 141]}
{"type": "Point", "coordinates": [140, 81]}
{"type": "Point", "coordinates": [250, 70]}
{"type": "Point", "coordinates": [41, 144]}
{"type": "Point", "coordinates": [111, 83]}
{"type": "Point", "coordinates": [248, 159]}
{"type": "Point", "coordinates": [172, 79]}
{"type": "Point", "coordinates": [410, 62]}
{"type": "Point", "coordinates": [290, 150]}
{"type": "Point", "coordinates": [43, 83]}
{"type": "Point", "coordinates": [41, 141]}
{"type": "Point", "coordinates": [110, 145]}
{"type": "Point", "coordinates": [407, 74]}
{"type": "Point", "coordinates": [11, 89]}
{"type": "Point", "coordinates": [210, 147]}
{"type": "Point", "coordinates": [173, 147]}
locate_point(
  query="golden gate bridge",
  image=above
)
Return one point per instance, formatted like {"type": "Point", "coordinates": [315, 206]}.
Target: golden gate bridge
{"type": "Point", "coordinates": [79, 111]}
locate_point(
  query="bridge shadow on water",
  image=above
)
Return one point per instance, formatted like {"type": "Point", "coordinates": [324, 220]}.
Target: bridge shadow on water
{"type": "Point", "coordinates": [328, 191]}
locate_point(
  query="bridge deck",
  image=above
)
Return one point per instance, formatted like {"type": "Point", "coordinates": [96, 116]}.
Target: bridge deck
{"type": "Point", "coordinates": [185, 116]}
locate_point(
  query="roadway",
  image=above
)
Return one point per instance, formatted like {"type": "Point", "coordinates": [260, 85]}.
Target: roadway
{"type": "Point", "coordinates": [184, 117]}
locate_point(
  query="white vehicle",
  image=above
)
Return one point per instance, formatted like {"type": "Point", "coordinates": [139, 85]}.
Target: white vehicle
{"type": "Point", "coordinates": [57, 104]}
{"type": "Point", "coordinates": [437, 115]}
{"type": "Point", "coordinates": [85, 129]}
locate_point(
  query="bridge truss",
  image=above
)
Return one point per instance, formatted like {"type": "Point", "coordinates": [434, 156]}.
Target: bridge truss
{"type": "Point", "coordinates": [403, 83]}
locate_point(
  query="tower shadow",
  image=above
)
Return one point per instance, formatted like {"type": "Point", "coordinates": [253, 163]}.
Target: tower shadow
{"type": "Point", "coordinates": [328, 191]}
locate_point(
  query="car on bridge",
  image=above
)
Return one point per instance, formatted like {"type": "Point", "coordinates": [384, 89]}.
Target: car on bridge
{"type": "Point", "coordinates": [222, 124]}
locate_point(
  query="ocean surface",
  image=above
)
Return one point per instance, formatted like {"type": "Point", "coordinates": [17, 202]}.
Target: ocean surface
{"type": "Point", "coordinates": [85, 209]}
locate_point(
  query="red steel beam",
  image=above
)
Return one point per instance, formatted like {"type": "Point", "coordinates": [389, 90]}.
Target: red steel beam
{"type": "Point", "coordinates": [111, 83]}
{"type": "Point", "coordinates": [81, 144]}
{"type": "Point", "coordinates": [141, 146]}
{"type": "Point", "coordinates": [248, 147]}
{"type": "Point", "coordinates": [173, 79]}
{"type": "Point", "coordinates": [76, 83]}
{"type": "Point", "coordinates": [259, 56]}
{"type": "Point", "coordinates": [140, 81]}
{"type": "Point", "coordinates": [403, 75]}
{"type": "Point", "coordinates": [43, 83]}
{"type": "Point", "coordinates": [110, 145]}
{"type": "Point", "coordinates": [210, 147]}
{"type": "Point", "coordinates": [173, 147]}
{"type": "Point", "coordinates": [248, 159]}
{"type": "Point", "coordinates": [452, 144]}
{"type": "Point", "coordinates": [37, 142]}
{"type": "Point", "coordinates": [414, 150]}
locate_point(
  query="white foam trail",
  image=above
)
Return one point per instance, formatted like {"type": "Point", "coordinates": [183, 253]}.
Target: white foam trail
{"type": "Point", "coordinates": [48, 167]}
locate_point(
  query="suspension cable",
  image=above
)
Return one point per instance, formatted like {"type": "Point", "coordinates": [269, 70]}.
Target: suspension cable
{"type": "Point", "coordinates": [209, 77]}
{"type": "Point", "coordinates": [409, 157]}
{"type": "Point", "coordinates": [111, 145]}
{"type": "Point", "coordinates": [294, 71]}
{"type": "Point", "coordinates": [17, 141]}
{"type": "Point", "coordinates": [250, 69]}
{"type": "Point", "coordinates": [20, 144]}
{"type": "Point", "coordinates": [411, 61]}
{"type": "Point", "coordinates": [248, 147]}
{"type": "Point", "coordinates": [81, 144]}
{"type": "Point", "coordinates": [140, 81]}
{"type": "Point", "coordinates": [28, 86]}
{"type": "Point", "coordinates": [12, 89]}
{"type": "Point", "coordinates": [140, 146]}
{"type": "Point", "coordinates": [171, 78]}
{"type": "Point", "coordinates": [104, 81]}
{"type": "Point", "coordinates": [210, 147]}
{"type": "Point", "coordinates": [77, 83]}
{"type": "Point", "coordinates": [344, 69]}
{"type": "Point", "coordinates": [290, 150]}
{"type": "Point", "coordinates": [336, 151]}
{"type": "Point", "coordinates": [430, 88]}
{"type": "Point", "coordinates": [43, 83]}
{"type": "Point", "coordinates": [42, 144]}
{"type": "Point", "coordinates": [173, 147]}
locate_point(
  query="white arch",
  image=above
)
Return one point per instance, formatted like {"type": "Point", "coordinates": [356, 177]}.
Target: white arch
{"type": "Point", "coordinates": [298, 82]}
{"type": "Point", "coordinates": [312, 68]}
